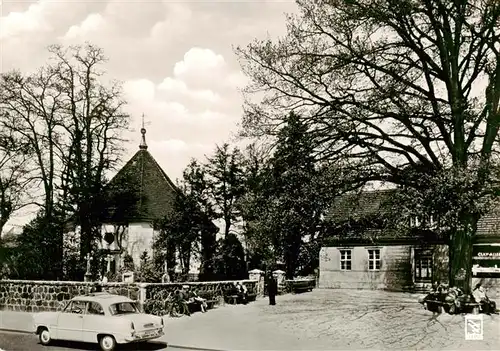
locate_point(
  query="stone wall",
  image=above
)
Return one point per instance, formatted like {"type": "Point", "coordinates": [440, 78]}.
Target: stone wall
{"type": "Point", "coordinates": [153, 290]}
{"type": "Point", "coordinates": [37, 296]}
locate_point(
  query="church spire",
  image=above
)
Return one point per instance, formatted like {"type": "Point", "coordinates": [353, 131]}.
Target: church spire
{"type": "Point", "coordinates": [143, 145]}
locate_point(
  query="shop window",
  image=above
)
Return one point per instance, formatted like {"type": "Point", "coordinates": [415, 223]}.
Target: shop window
{"type": "Point", "coordinates": [374, 261]}
{"type": "Point", "coordinates": [345, 260]}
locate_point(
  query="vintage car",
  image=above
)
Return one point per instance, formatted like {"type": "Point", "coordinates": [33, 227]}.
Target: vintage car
{"type": "Point", "coordinates": [98, 317]}
{"type": "Point", "coordinates": [451, 301]}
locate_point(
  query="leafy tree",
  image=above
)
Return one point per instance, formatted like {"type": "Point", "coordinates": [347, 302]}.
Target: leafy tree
{"type": "Point", "coordinates": [187, 225]}
{"type": "Point", "coordinates": [196, 185]}
{"type": "Point", "coordinates": [253, 205]}
{"type": "Point", "coordinates": [293, 189]}
{"type": "Point", "coordinates": [149, 272]}
{"type": "Point", "coordinates": [230, 262]}
{"type": "Point", "coordinates": [7, 253]}
{"type": "Point", "coordinates": [128, 263]}
{"type": "Point", "coordinates": [38, 254]}
{"type": "Point", "coordinates": [225, 183]}
{"type": "Point", "coordinates": [408, 91]}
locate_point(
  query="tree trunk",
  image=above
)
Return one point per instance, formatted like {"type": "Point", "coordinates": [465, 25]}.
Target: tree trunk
{"type": "Point", "coordinates": [292, 255]}
{"type": "Point", "coordinates": [186, 258]}
{"type": "Point", "coordinates": [208, 248]}
{"type": "Point", "coordinates": [460, 253]}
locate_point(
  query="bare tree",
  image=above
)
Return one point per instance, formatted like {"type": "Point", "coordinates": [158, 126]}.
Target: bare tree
{"type": "Point", "coordinates": [72, 122]}
{"type": "Point", "coordinates": [15, 177]}
{"type": "Point", "coordinates": [408, 90]}
{"type": "Point", "coordinates": [31, 110]}
{"type": "Point", "coordinates": [93, 121]}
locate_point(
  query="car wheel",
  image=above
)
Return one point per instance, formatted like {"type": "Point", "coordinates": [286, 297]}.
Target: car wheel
{"type": "Point", "coordinates": [107, 343]}
{"type": "Point", "coordinates": [45, 337]}
{"type": "Point", "coordinates": [452, 309]}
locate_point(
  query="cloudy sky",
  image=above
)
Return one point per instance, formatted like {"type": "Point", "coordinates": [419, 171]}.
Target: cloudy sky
{"type": "Point", "coordinates": [175, 59]}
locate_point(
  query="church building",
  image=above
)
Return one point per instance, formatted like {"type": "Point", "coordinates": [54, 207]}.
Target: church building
{"type": "Point", "coordinates": [146, 194]}
{"type": "Point", "coordinates": [137, 196]}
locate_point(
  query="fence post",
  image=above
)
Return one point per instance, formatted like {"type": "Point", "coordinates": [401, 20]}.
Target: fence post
{"type": "Point", "coordinates": [142, 294]}
{"type": "Point", "coordinates": [257, 275]}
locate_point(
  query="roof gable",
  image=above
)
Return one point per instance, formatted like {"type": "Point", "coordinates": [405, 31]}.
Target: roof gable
{"type": "Point", "coordinates": [365, 206]}
{"type": "Point", "coordinates": [361, 205]}
{"type": "Point", "coordinates": [153, 191]}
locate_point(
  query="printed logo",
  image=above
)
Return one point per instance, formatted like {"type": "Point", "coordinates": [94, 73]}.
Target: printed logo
{"type": "Point", "coordinates": [474, 327]}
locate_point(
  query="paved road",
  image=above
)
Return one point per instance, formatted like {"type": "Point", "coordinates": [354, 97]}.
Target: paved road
{"type": "Point", "coordinates": [13, 341]}
{"type": "Point", "coordinates": [319, 320]}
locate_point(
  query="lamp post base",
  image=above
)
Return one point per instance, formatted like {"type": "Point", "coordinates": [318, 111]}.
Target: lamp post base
{"type": "Point", "coordinates": [87, 277]}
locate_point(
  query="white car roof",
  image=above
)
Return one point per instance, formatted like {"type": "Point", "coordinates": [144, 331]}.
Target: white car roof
{"type": "Point", "coordinates": [103, 298]}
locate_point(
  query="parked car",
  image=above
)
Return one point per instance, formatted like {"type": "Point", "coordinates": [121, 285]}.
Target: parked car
{"type": "Point", "coordinates": [451, 301]}
{"type": "Point", "coordinates": [98, 317]}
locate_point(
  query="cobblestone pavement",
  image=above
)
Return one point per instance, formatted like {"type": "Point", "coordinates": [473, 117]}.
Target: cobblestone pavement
{"type": "Point", "coordinates": [324, 320]}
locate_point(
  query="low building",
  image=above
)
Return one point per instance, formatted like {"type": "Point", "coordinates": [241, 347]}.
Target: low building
{"type": "Point", "coordinates": [363, 253]}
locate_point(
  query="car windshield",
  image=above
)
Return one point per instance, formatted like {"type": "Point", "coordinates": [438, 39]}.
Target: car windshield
{"type": "Point", "coordinates": [123, 308]}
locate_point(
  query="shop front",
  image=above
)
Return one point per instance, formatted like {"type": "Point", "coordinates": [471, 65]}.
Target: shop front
{"type": "Point", "coordinates": [486, 267]}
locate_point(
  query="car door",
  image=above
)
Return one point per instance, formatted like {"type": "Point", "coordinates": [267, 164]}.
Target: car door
{"type": "Point", "coordinates": [93, 321]}
{"type": "Point", "coordinates": [70, 321]}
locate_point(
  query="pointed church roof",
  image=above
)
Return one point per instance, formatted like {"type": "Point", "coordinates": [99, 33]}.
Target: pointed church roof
{"type": "Point", "coordinates": [154, 192]}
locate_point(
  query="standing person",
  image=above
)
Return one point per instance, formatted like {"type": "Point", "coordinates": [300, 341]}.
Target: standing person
{"type": "Point", "coordinates": [244, 292]}
{"type": "Point", "coordinates": [98, 287]}
{"type": "Point", "coordinates": [272, 289]}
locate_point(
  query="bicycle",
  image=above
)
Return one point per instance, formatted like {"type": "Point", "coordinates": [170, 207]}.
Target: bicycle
{"type": "Point", "coordinates": [176, 307]}
{"type": "Point", "coordinates": [219, 295]}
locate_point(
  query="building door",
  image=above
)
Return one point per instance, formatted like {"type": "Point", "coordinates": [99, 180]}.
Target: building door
{"type": "Point", "coordinates": [423, 265]}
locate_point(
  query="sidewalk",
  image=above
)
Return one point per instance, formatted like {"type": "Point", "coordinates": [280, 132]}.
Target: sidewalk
{"type": "Point", "coordinates": [229, 327]}
{"type": "Point", "coordinates": [18, 321]}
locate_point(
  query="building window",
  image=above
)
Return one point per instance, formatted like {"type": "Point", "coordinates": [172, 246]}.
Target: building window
{"type": "Point", "coordinates": [345, 260]}
{"type": "Point", "coordinates": [433, 222]}
{"type": "Point", "coordinates": [414, 222]}
{"type": "Point", "coordinates": [423, 265]}
{"type": "Point", "coordinates": [374, 259]}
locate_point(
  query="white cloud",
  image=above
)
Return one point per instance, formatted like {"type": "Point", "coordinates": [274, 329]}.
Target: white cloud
{"type": "Point", "coordinates": [139, 90]}
{"type": "Point", "coordinates": [31, 20]}
{"type": "Point", "coordinates": [92, 24]}
{"type": "Point", "coordinates": [173, 87]}
{"type": "Point", "coordinates": [199, 61]}
{"type": "Point", "coordinates": [176, 17]}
